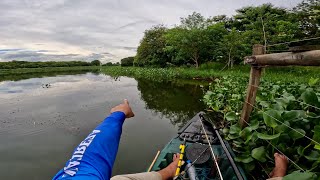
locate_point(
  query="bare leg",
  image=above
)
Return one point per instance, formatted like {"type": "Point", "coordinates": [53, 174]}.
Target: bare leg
{"type": "Point", "coordinates": [281, 164]}
{"type": "Point", "coordinates": [169, 172]}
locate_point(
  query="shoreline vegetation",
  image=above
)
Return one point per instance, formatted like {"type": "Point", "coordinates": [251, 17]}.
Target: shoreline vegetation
{"type": "Point", "coordinates": [26, 73]}
{"type": "Point", "coordinates": [18, 71]}
{"type": "Point", "coordinates": [207, 72]}
{"type": "Point", "coordinates": [286, 114]}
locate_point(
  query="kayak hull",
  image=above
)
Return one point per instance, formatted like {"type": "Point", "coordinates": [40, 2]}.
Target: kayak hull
{"type": "Point", "coordinates": [205, 170]}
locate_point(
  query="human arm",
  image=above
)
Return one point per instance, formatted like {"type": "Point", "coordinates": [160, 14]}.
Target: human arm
{"type": "Point", "coordinates": [95, 155]}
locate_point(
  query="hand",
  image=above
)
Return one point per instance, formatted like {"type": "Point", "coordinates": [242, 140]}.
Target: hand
{"type": "Point", "coordinates": [125, 108]}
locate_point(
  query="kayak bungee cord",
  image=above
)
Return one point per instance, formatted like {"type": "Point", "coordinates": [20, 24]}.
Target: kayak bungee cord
{"type": "Point", "coordinates": [214, 156]}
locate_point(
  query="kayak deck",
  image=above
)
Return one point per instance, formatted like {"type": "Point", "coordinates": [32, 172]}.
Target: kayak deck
{"type": "Point", "coordinates": [205, 170]}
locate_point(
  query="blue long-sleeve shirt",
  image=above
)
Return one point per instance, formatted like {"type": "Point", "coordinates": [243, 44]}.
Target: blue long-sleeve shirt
{"type": "Point", "coordinates": [95, 155]}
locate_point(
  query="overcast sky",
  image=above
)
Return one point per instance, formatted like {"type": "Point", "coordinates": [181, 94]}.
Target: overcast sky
{"type": "Point", "coordinates": [41, 30]}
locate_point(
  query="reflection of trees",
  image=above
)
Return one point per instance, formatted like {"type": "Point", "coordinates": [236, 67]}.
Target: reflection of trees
{"type": "Point", "coordinates": [178, 102]}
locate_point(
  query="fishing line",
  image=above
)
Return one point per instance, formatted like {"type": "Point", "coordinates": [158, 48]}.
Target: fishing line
{"type": "Point", "coordinates": [214, 156]}
{"type": "Point", "coordinates": [293, 41]}
{"type": "Point", "coordinates": [277, 149]}
{"type": "Point", "coordinates": [182, 173]}
{"type": "Point", "coordinates": [308, 104]}
{"type": "Point", "coordinates": [284, 124]}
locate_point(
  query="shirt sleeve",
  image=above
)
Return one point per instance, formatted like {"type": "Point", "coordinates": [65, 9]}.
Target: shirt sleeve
{"type": "Point", "coordinates": [95, 155]}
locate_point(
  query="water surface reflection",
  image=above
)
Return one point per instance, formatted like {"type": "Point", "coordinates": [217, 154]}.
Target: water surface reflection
{"type": "Point", "coordinates": [39, 126]}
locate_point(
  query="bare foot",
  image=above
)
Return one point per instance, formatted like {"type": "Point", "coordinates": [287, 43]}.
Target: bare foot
{"type": "Point", "coordinates": [169, 171]}
{"type": "Point", "coordinates": [281, 164]}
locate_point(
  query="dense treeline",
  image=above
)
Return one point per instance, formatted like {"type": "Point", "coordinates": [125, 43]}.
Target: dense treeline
{"type": "Point", "coordinates": [26, 64]}
{"type": "Point", "coordinates": [128, 61]}
{"type": "Point", "coordinates": [227, 39]}
{"type": "Point", "coordinates": [111, 64]}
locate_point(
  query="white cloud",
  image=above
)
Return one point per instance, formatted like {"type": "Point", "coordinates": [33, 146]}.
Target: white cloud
{"type": "Point", "coordinates": [107, 29]}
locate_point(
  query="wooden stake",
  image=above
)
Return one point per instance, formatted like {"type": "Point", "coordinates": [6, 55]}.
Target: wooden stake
{"type": "Point", "coordinates": [254, 81]}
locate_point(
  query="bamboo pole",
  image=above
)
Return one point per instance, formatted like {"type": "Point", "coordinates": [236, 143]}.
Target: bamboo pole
{"type": "Point", "coordinates": [307, 58]}
{"type": "Point", "coordinates": [154, 160]}
{"type": "Point", "coordinates": [254, 81]}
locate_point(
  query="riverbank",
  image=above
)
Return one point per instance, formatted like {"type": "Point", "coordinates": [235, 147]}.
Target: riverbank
{"type": "Point", "coordinates": [207, 73]}
{"type": "Point", "coordinates": [292, 74]}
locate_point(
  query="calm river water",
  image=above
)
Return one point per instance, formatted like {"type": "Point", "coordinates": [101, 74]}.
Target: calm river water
{"type": "Point", "coordinates": [41, 124]}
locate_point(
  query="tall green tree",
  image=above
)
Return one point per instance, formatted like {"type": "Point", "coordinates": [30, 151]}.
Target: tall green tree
{"type": "Point", "coordinates": [308, 16]}
{"type": "Point", "coordinates": [193, 41]}
{"type": "Point", "coordinates": [151, 49]}
{"type": "Point", "coordinates": [128, 61]}
{"type": "Point", "coordinates": [193, 44]}
{"type": "Point", "coordinates": [95, 63]}
{"type": "Point", "coordinates": [195, 21]}
{"type": "Point", "coordinates": [265, 24]}
{"type": "Point", "coordinates": [234, 47]}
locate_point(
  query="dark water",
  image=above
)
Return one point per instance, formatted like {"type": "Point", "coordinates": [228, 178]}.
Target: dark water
{"type": "Point", "coordinates": [40, 126]}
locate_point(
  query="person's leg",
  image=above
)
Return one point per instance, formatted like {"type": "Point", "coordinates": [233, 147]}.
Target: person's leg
{"type": "Point", "coordinates": [164, 174]}
{"type": "Point", "coordinates": [139, 176]}
{"type": "Point", "coordinates": [169, 171]}
{"type": "Point", "coordinates": [280, 168]}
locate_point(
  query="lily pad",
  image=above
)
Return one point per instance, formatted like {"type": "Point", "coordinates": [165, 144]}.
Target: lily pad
{"type": "Point", "coordinates": [292, 115]}
{"type": "Point", "coordinates": [310, 97]}
{"type": "Point", "coordinates": [235, 129]}
{"type": "Point", "coordinates": [282, 102]}
{"type": "Point", "coordinates": [233, 136]}
{"type": "Point", "coordinates": [225, 130]}
{"type": "Point", "coordinates": [248, 139]}
{"type": "Point", "coordinates": [297, 134]}
{"type": "Point", "coordinates": [254, 125]}
{"type": "Point", "coordinates": [297, 175]}
{"type": "Point", "coordinates": [313, 81]}
{"type": "Point", "coordinates": [267, 136]}
{"type": "Point", "coordinates": [259, 154]}
{"type": "Point", "coordinates": [300, 150]}
{"type": "Point", "coordinates": [245, 132]}
{"type": "Point", "coordinates": [231, 116]}
{"type": "Point", "coordinates": [243, 159]}
{"type": "Point", "coordinates": [284, 138]}
{"type": "Point", "coordinates": [277, 107]}
{"type": "Point", "coordinates": [249, 166]}
{"type": "Point", "coordinates": [313, 156]}
{"type": "Point", "coordinates": [265, 104]}
{"type": "Point", "coordinates": [288, 96]}
{"type": "Point", "coordinates": [270, 117]}
{"type": "Point", "coordinates": [283, 127]}
{"type": "Point", "coordinates": [316, 135]}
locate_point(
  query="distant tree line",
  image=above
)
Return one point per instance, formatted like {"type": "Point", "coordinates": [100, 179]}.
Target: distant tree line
{"type": "Point", "coordinates": [128, 61]}
{"type": "Point", "coordinates": [197, 40]}
{"type": "Point", "coordinates": [111, 64]}
{"type": "Point", "coordinates": [26, 64]}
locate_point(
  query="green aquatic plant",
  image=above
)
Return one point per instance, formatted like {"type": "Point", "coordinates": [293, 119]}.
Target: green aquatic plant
{"type": "Point", "coordinates": [285, 119]}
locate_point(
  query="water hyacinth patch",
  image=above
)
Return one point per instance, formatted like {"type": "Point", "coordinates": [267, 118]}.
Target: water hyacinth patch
{"type": "Point", "coordinates": [283, 116]}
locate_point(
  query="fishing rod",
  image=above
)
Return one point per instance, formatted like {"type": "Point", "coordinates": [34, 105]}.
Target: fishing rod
{"type": "Point", "coordinates": [186, 170]}
{"type": "Point", "coordinates": [182, 150]}
{"type": "Point", "coordinates": [213, 155]}
{"type": "Point", "coordinates": [233, 164]}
